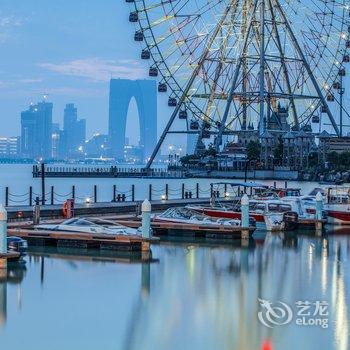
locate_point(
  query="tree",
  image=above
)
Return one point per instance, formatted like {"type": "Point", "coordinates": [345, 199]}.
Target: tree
{"type": "Point", "coordinates": [253, 150]}
{"type": "Point", "coordinates": [278, 151]}
{"type": "Point", "coordinates": [333, 158]}
{"type": "Point", "coordinates": [344, 159]}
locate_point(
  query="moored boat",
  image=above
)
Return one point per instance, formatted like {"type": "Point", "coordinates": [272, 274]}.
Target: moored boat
{"type": "Point", "coordinates": [270, 215]}
{"type": "Point", "coordinates": [185, 215]}
{"type": "Point", "coordinates": [89, 225]}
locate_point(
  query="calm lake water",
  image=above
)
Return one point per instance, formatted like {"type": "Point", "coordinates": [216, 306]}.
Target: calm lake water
{"type": "Point", "coordinates": [18, 178]}
{"type": "Point", "coordinates": [194, 295]}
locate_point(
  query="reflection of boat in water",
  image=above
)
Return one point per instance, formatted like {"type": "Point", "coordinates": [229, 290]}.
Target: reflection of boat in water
{"type": "Point", "coordinates": [90, 225]}
{"type": "Point", "coordinates": [81, 254]}
{"type": "Point", "coordinates": [189, 216]}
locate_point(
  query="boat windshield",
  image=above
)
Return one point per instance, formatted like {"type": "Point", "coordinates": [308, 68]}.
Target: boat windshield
{"type": "Point", "coordinates": [279, 208]}
{"type": "Point", "coordinates": [78, 222]}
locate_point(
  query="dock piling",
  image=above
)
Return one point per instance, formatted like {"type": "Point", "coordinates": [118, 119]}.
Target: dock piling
{"type": "Point", "coordinates": [146, 209]}
{"type": "Point", "coordinates": [6, 196]}
{"type": "Point", "coordinates": [3, 237]}
{"type": "Point", "coordinates": [245, 219]}
{"type": "Point", "coordinates": [319, 209]}
{"type": "Point", "coordinates": [95, 194]}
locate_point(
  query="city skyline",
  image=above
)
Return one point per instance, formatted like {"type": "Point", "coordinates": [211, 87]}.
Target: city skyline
{"type": "Point", "coordinates": [71, 60]}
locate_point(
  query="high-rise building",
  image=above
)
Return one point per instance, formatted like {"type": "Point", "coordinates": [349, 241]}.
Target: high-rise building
{"type": "Point", "coordinates": [36, 131]}
{"type": "Point", "coordinates": [9, 147]}
{"type": "Point", "coordinates": [74, 132]}
{"type": "Point", "coordinates": [145, 94]}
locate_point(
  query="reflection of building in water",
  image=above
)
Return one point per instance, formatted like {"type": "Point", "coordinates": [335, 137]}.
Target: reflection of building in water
{"type": "Point", "coordinates": [209, 295]}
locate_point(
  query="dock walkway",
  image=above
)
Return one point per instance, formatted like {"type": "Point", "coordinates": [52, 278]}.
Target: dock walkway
{"type": "Point", "coordinates": [102, 208]}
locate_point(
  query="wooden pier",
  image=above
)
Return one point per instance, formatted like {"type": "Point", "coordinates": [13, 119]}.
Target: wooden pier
{"type": "Point", "coordinates": [16, 213]}
{"type": "Point", "coordinates": [82, 240]}
{"type": "Point", "coordinates": [180, 229]}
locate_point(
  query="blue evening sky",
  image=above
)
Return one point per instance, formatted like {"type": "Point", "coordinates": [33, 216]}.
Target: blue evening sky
{"type": "Point", "coordinates": [68, 50]}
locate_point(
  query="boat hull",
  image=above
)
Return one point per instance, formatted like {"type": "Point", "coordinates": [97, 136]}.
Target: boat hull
{"type": "Point", "coordinates": [259, 218]}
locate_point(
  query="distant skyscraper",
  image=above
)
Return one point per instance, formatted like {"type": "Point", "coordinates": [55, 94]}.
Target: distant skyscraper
{"type": "Point", "coordinates": [74, 132]}
{"type": "Point", "coordinates": [9, 147]}
{"type": "Point", "coordinates": [145, 93]}
{"type": "Point", "coordinates": [36, 131]}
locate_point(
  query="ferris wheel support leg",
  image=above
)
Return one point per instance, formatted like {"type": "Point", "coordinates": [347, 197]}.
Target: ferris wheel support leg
{"type": "Point", "coordinates": [309, 71]}
{"type": "Point", "coordinates": [234, 82]}
{"type": "Point", "coordinates": [284, 67]}
{"type": "Point", "coordinates": [188, 86]}
{"type": "Point", "coordinates": [262, 68]}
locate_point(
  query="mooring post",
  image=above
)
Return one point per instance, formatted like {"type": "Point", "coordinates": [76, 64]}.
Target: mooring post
{"type": "Point", "coordinates": [211, 191]}
{"type": "Point", "coordinates": [274, 184]}
{"type": "Point", "coordinates": [114, 193]}
{"type": "Point", "coordinates": [150, 192]}
{"type": "Point", "coordinates": [133, 193]}
{"type": "Point", "coordinates": [3, 237]}
{"type": "Point", "coordinates": [36, 211]}
{"type": "Point", "coordinates": [245, 219]}
{"type": "Point", "coordinates": [319, 209]}
{"type": "Point", "coordinates": [146, 210]}
{"type": "Point", "coordinates": [6, 197]}
{"type": "Point", "coordinates": [52, 195]}
{"type": "Point", "coordinates": [30, 196]}
{"type": "Point", "coordinates": [197, 190]}
{"type": "Point", "coordinates": [285, 184]}
{"type": "Point", "coordinates": [183, 191]}
{"type": "Point", "coordinates": [43, 200]}
{"type": "Point", "coordinates": [73, 192]}
{"type": "Point", "coordinates": [95, 193]}
{"type": "Point", "coordinates": [166, 191]}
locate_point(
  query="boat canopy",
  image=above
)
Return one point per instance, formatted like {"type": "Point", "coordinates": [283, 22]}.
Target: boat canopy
{"type": "Point", "coordinates": [242, 184]}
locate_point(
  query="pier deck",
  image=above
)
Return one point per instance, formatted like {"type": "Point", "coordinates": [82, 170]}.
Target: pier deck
{"type": "Point", "coordinates": [81, 240]}
{"type": "Point", "coordinates": [180, 229]}
{"type": "Point", "coordinates": [91, 209]}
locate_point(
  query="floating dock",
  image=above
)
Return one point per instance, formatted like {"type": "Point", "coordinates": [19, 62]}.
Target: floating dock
{"type": "Point", "coordinates": [106, 208]}
{"type": "Point", "coordinates": [181, 229]}
{"type": "Point", "coordinates": [82, 240]}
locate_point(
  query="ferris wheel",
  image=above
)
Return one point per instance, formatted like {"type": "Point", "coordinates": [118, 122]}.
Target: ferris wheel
{"type": "Point", "coordinates": [229, 65]}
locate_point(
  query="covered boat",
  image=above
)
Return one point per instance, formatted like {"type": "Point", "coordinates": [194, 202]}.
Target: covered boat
{"type": "Point", "coordinates": [90, 225]}
{"type": "Point", "coordinates": [186, 215]}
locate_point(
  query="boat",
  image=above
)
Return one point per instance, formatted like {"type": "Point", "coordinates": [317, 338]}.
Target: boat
{"type": "Point", "coordinates": [17, 245]}
{"type": "Point", "coordinates": [337, 205]}
{"type": "Point", "coordinates": [185, 215]}
{"type": "Point", "coordinates": [270, 214]}
{"type": "Point", "coordinates": [90, 225]}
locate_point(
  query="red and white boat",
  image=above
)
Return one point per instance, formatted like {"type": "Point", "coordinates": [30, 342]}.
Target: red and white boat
{"type": "Point", "coordinates": [270, 215]}
{"type": "Point", "coordinates": [338, 205]}
{"type": "Point", "coordinates": [338, 214]}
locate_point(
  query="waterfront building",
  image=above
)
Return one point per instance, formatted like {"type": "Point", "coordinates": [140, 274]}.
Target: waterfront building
{"type": "Point", "coordinates": [36, 131]}
{"type": "Point", "coordinates": [74, 133]}
{"type": "Point", "coordinates": [233, 157]}
{"type": "Point", "coordinates": [145, 94]}
{"type": "Point", "coordinates": [329, 143]}
{"type": "Point", "coordinates": [9, 147]}
{"type": "Point", "coordinates": [279, 144]}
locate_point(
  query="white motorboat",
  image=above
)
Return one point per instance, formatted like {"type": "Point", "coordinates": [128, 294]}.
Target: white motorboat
{"type": "Point", "coordinates": [90, 225]}
{"type": "Point", "coordinates": [187, 216]}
